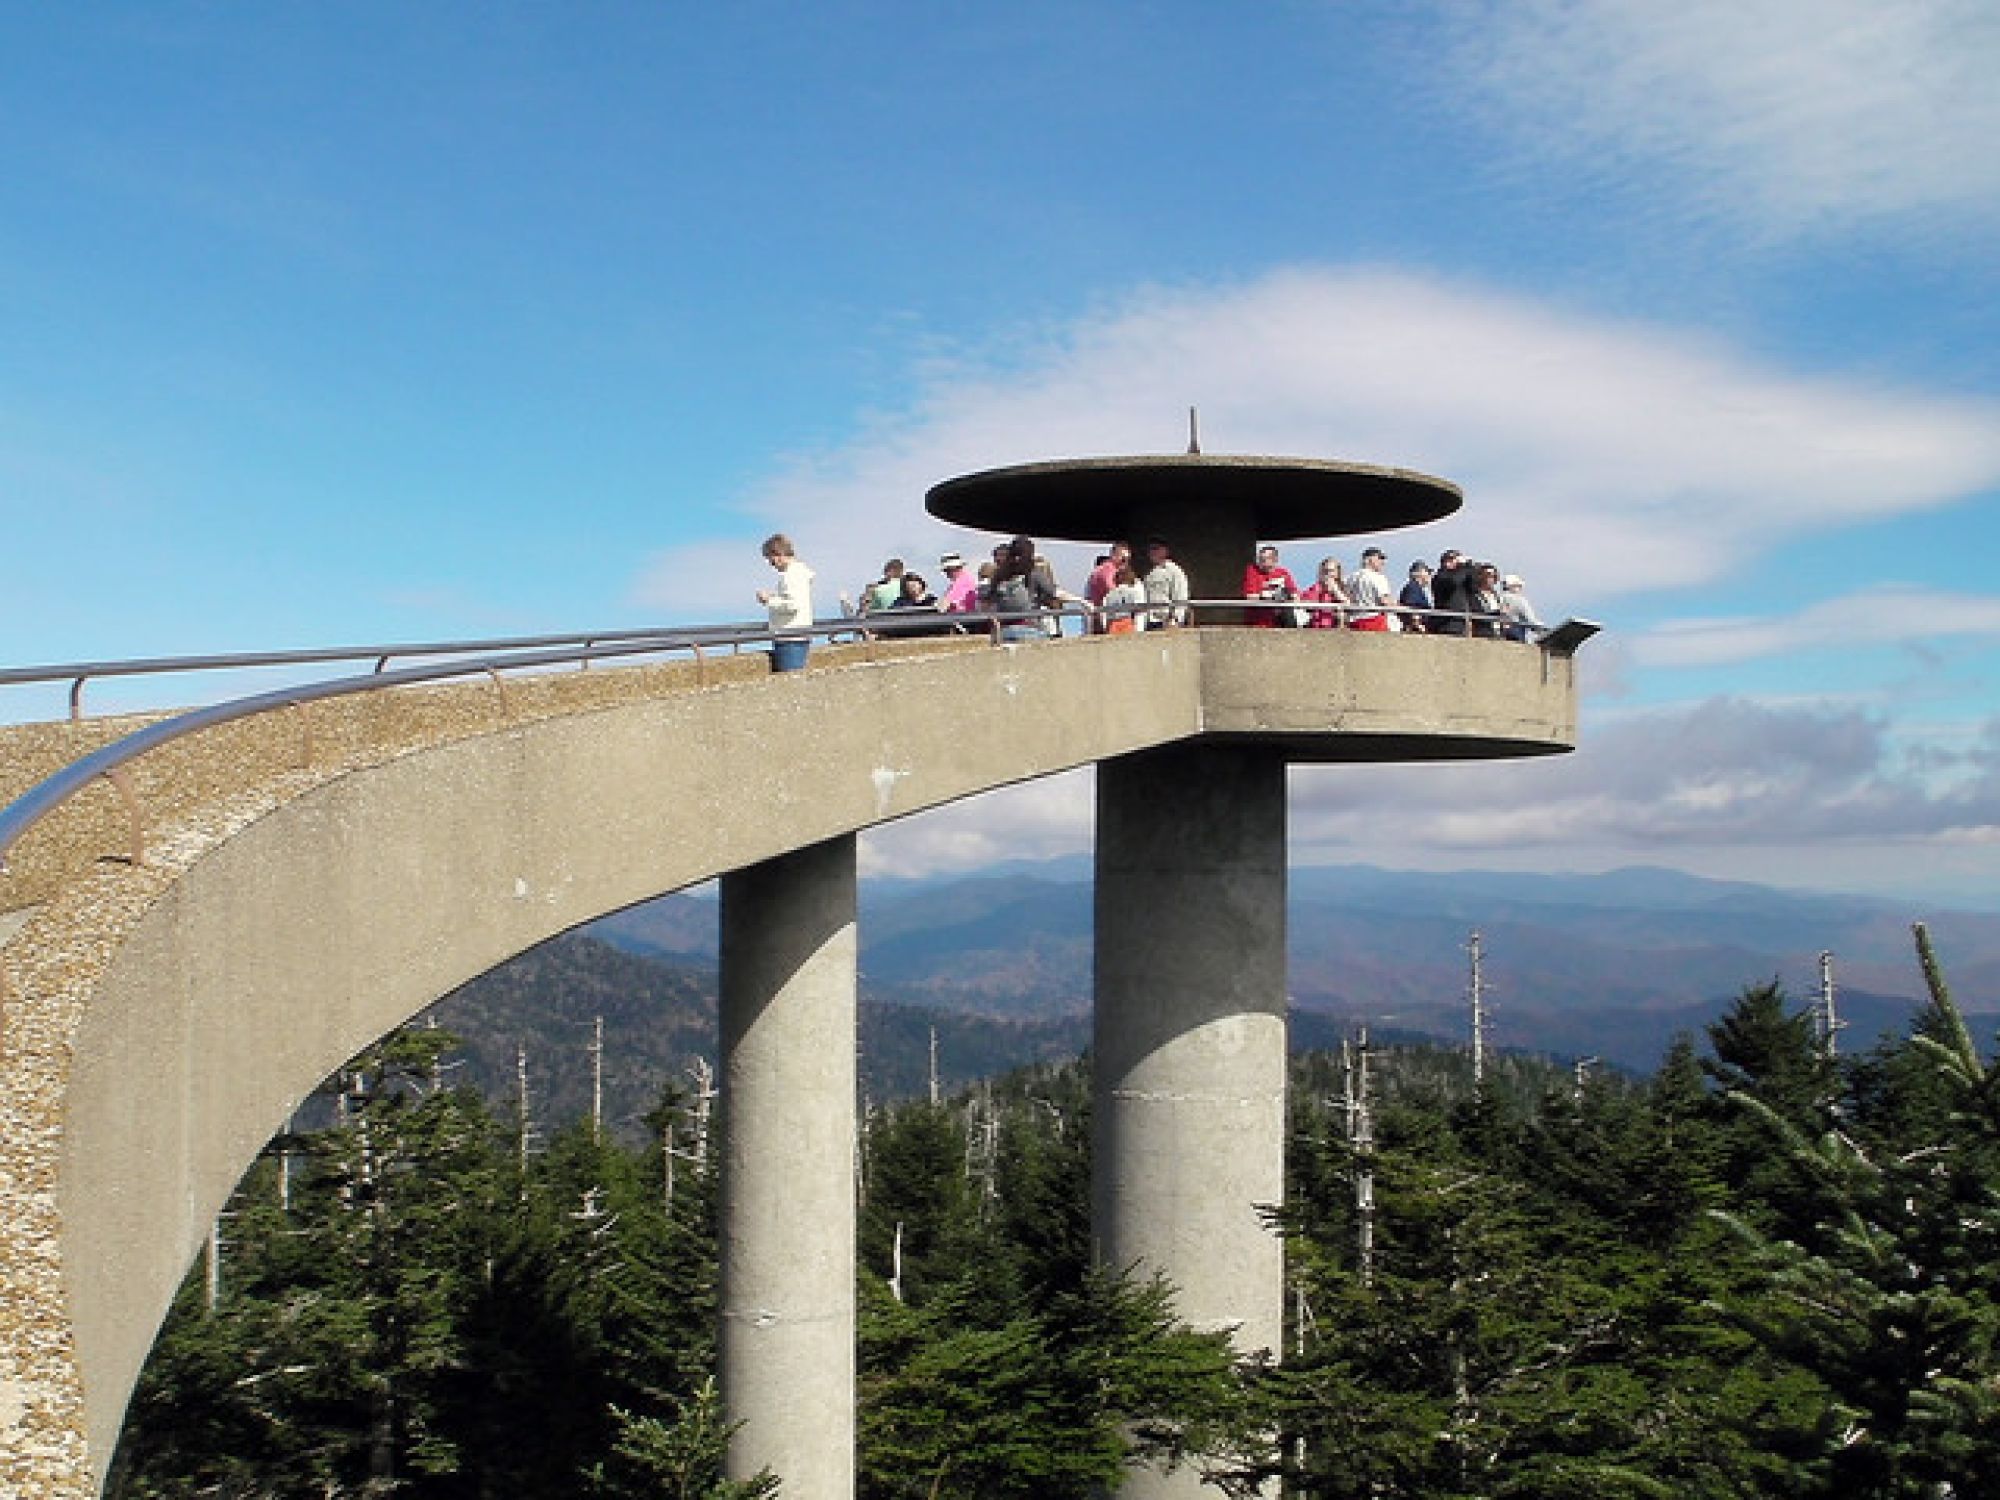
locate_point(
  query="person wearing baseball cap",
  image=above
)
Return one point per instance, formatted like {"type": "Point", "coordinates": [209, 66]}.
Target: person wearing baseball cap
{"type": "Point", "coordinates": [1369, 589]}
{"type": "Point", "coordinates": [1451, 588]}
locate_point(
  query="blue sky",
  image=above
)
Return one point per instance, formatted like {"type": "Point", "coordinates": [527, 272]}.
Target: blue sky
{"type": "Point", "coordinates": [375, 322]}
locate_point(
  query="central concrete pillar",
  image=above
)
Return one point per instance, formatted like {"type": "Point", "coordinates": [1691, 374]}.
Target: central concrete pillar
{"type": "Point", "coordinates": [1212, 540]}
{"type": "Point", "coordinates": [786, 1343]}
{"type": "Point", "coordinates": [1190, 1038]}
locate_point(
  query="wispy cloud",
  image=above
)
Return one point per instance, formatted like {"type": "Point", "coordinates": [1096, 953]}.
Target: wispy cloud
{"type": "Point", "coordinates": [1800, 793]}
{"type": "Point", "coordinates": [1791, 115]}
{"type": "Point", "coordinates": [1577, 440]}
{"type": "Point", "coordinates": [1036, 820]}
{"type": "Point", "coordinates": [1891, 615]}
{"type": "Point", "coordinates": [1721, 773]}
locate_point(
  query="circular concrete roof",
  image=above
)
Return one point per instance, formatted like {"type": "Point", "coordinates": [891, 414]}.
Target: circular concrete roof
{"type": "Point", "coordinates": [1102, 499]}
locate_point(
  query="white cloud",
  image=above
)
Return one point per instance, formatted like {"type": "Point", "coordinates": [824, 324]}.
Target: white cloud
{"type": "Point", "coordinates": [1598, 458]}
{"type": "Point", "coordinates": [1036, 820]}
{"type": "Point", "coordinates": [710, 580]}
{"type": "Point", "coordinates": [1798, 794]}
{"type": "Point", "coordinates": [1790, 114]}
{"type": "Point", "coordinates": [1886, 616]}
{"type": "Point", "coordinates": [1723, 773]}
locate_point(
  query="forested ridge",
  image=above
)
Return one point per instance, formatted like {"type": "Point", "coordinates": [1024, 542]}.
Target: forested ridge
{"type": "Point", "coordinates": [657, 1015]}
{"type": "Point", "coordinates": [1763, 1271]}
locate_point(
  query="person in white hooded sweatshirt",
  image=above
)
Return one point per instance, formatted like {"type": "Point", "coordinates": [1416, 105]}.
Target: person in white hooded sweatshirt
{"type": "Point", "coordinates": [790, 604]}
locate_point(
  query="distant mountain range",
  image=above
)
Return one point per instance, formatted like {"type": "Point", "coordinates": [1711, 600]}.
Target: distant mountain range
{"type": "Point", "coordinates": [998, 968]}
{"type": "Point", "coordinates": [659, 1016]}
{"type": "Point", "coordinates": [1611, 965]}
{"type": "Point", "coordinates": [539, 1013]}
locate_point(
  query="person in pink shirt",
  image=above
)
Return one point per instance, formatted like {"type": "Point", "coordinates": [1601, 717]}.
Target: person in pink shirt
{"type": "Point", "coordinates": [1102, 578]}
{"type": "Point", "coordinates": [961, 594]}
{"type": "Point", "coordinates": [1330, 587]}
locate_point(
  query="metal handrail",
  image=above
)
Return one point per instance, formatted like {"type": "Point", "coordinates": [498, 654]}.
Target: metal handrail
{"type": "Point", "coordinates": [44, 797]}
{"type": "Point", "coordinates": [78, 673]}
{"type": "Point", "coordinates": [153, 664]}
{"type": "Point", "coordinates": [1341, 613]}
{"type": "Point", "coordinates": [110, 760]}
{"type": "Point", "coordinates": [877, 622]}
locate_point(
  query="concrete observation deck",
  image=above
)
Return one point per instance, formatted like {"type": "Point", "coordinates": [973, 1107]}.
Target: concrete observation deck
{"type": "Point", "coordinates": [309, 886]}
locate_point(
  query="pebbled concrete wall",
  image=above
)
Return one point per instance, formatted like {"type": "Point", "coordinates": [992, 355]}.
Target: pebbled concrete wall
{"type": "Point", "coordinates": [321, 883]}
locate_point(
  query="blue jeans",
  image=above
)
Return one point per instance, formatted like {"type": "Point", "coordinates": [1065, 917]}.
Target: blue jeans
{"type": "Point", "coordinates": [789, 656]}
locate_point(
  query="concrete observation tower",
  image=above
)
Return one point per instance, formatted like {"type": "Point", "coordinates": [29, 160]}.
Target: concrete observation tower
{"type": "Point", "coordinates": [269, 884]}
{"type": "Point", "coordinates": [1190, 1011]}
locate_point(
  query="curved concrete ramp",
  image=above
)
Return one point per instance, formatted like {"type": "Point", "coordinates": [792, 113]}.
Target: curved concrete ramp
{"type": "Point", "coordinates": [161, 1020]}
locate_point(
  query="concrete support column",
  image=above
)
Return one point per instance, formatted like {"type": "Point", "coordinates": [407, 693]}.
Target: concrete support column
{"type": "Point", "coordinates": [1190, 1036]}
{"type": "Point", "coordinates": [788, 1129]}
{"type": "Point", "coordinates": [1212, 540]}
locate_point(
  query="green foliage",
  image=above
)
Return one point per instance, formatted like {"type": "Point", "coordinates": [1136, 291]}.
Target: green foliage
{"type": "Point", "coordinates": [674, 1458]}
{"type": "Point", "coordinates": [423, 1317]}
{"type": "Point", "coordinates": [418, 1317]}
{"type": "Point", "coordinates": [966, 1396]}
{"type": "Point", "coordinates": [1882, 1288]}
{"type": "Point", "coordinates": [332, 1358]}
{"type": "Point", "coordinates": [915, 1180]}
{"type": "Point", "coordinates": [1764, 1272]}
{"type": "Point", "coordinates": [1556, 1305]}
{"type": "Point", "coordinates": [1010, 1366]}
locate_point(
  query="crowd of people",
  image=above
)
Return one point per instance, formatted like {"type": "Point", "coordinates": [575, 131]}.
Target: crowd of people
{"type": "Point", "coordinates": [1460, 596]}
{"type": "Point", "coordinates": [1018, 592]}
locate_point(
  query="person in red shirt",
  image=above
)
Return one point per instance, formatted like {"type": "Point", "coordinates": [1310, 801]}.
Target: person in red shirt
{"type": "Point", "coordinates": [1102, 578]}
{"type": "Point", "coordinates": [1266, 579]}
